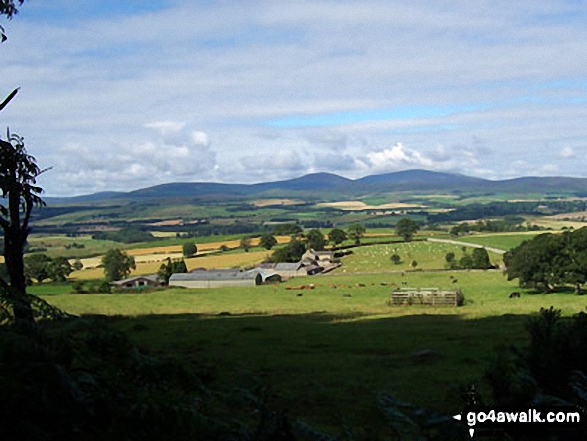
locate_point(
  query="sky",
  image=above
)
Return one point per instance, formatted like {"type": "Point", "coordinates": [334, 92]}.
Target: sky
{"type": "Point", "coordinates": [121, 95]}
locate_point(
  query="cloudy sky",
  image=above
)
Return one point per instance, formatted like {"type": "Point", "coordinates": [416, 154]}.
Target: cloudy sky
{"type": "Point", "coordinates": [119, 95]}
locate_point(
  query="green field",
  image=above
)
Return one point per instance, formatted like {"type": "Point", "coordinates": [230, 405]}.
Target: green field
{"type": "Point", "coordinates": [325, 354]}
{"type": "Point", "coordinates": [502, 241]}
{"type": "Point", "coordinates": [377, 258]}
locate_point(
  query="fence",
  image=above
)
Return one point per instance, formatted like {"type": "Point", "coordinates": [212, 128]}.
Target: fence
{"type": "Point", "coordinates": [426, 296]}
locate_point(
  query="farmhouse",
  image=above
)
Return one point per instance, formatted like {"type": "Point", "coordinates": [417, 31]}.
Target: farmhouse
{"type": "Point", "coordinates": [320, 257]}
{"type": "Point", "coordinates": [138, 282]}
{"type": "Point", "coordinates": [216, 279]}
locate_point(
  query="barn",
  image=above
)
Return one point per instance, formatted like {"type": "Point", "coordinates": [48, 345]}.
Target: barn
{"type": "Point", "coordinates": [216, 279]}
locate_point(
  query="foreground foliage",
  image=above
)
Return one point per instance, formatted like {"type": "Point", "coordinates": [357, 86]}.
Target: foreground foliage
{"type": "Point", "coordinates": [552, 371]}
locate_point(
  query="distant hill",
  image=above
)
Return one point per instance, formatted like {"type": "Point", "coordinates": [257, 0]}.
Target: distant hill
{"type": "Point", "coordinates": [321, 185]}
{"type": "Point", "coordinates": [422, 180]}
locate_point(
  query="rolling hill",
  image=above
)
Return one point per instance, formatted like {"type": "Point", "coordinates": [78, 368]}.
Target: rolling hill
{"type": "Point", "coordinates": [329, 186]}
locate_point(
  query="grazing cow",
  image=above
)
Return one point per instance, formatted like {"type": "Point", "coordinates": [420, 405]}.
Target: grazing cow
{"type": "Point", "coordinates": [455, 281]}
{"type": "Point", "coordinates": [347, 295]}
{"type": "Point", "coordinates": [515, 295]}
{"type": "Point", "coordinates": [299, 294]}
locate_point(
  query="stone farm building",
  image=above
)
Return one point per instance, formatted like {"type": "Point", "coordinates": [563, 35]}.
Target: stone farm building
{"type": "Point", "coordinates": [217, 279]}
{"type": "Point", "coordinates": [322, 258]}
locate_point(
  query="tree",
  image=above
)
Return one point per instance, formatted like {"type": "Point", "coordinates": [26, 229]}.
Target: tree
{"type": "Point", "coordinates": [396, 259]}
{"type": "Point", "coordinates": [117, 264]}
{"type": "Point", "coordinates": [356, 232]}
{"type": "Point", "coordinates": [539, 263]}
{"type": "Point", "coordinates": [287, 229]}
{"type": "Point", "coordinates": [267, 241]}
{"type": "Point", "coordinates": [292, 252]}
{"type": "Point", "coordinates": [189, 249]}
{"type": "Point", "coordinates": [166, 270]}
{"type": "Point", "coordinates": [337, 236]}
{"type": "Point", "coordinates": [466, 261]}
{"type": "Point", "coordinates": [77, 265]}
{"type": "Point", "coordinates": [480, 259]}
{"type": "Point", "coordinates": [18, 177]}
{"type": "Point", "coordinates": [36, 266]}
{"type": "Point", "coordinates": [406, 228]}
{"type": "Point", "coordinates": [245, 243]}
{"type": "Point", "coordinates": [315, 240]}
{"type": "Point", "coordinates": [414, 264]}
{"type": "Point", "coordinates": [9, 8]}
{"type": "Point", "coordinates": [59, 269]}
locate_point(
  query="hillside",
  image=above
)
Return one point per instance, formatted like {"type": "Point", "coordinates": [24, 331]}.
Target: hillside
{"type": "Point", "coordinates": [329, 186]}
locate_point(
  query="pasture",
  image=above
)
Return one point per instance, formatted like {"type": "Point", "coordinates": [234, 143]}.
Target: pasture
{"type": "Point", "coordinates": [377, 258]}
{"type": "Point", "coordinates": [325, 354]}
{"type": "Point", "coordinates": [502, 241]}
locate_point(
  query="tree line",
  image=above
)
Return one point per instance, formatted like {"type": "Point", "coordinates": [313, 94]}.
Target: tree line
{"type": "Point", "coordinates": [550, 261]}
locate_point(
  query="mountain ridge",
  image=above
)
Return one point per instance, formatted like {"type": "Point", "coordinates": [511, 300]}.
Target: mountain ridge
{"type": "Point", "coordinates": [314, 183]}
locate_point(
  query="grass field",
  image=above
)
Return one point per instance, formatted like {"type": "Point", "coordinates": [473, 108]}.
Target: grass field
{"type": "Point", "coordinates": [502, 241]}
{"type": "Point", "coordinates": [377, 258]}
{"type": "Point", "coordinates": [325, 355]}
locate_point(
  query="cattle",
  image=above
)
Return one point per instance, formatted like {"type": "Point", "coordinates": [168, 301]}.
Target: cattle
{"type": "Point", "coordinates": [515, 295]}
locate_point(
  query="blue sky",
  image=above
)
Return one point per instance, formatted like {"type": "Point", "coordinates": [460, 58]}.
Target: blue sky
{"type": "Point", "coordinates": [123, 95]}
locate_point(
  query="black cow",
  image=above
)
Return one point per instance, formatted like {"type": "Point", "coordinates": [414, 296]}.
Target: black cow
{"type": "Point", "coordinates": [515, 295]}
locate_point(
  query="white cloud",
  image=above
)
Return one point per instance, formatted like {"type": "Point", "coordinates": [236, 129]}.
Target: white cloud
{"type": "Point", "coordinates": [140, 99]}
{"type": "Point", "coordinates": [567, 153]}
{"type": "Point", "coordinates": [396, 158]}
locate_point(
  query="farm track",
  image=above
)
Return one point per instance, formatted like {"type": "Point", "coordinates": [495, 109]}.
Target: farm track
{"type": "Point", "coordinates": [406, 272]}
{"type": "Point", "coordinates": [466, 244]}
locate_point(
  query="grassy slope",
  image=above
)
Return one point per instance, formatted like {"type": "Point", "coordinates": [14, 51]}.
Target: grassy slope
{"type": "Point", "coordinates": [325, 355]}
{"type": "Point", "coordinates": [377, 258]}
{"type": "Point", "coordinates": [502, 241]}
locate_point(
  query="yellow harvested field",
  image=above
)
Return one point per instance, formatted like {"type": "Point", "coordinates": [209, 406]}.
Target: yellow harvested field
{"type": "Point", "coordinates": [358, 205]}
{"type": "Point", "coordinates": [267, 202]}
{"type": "Point", "coordinates": [559, 224]}
{"type": "Point", "coordinates": [156, 255]}
{"type": "Point", "coordinates": [166, 223]}
{"type": "Point", "coordinates": [165, 234]}
{"type": "Point", "coordinates": [155, 250]}
{"type": "Point", "coordinates": [228, 260]}
{"type": "Point", "coordinates": [575, 215]}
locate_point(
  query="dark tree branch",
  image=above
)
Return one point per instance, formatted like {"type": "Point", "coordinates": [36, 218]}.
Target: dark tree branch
{"type": "Point", "coordinates": [9, 98]}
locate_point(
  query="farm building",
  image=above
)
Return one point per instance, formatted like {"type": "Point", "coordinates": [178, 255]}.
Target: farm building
{"type": "Point", "coordinates": [287, 270]}
{"type": "Point", "coordinates": [320, 257]}
{"type": "Point", "coordinates": [138, 282]}
{"type": "Point", "coordinates": [216, 279]}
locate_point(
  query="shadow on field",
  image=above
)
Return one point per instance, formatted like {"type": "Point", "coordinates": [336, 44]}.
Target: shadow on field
{"type": "Point", "coordinates": [328, 369]}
